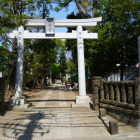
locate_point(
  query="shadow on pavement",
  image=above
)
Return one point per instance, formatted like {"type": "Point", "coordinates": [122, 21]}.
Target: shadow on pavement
{"type": "Point", "coordinates": [26, 130]}
{"type": "Point", "coordinates": [28, 133]}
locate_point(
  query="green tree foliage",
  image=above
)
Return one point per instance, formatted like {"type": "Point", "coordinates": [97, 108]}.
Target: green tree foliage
{"type": "Point", "coordinates": [3, 57]}
{"type": "Point", "coordinates": [61, 57]}
{"type": "Point", "coordinates": [118, 34]}
{"type": "Point", "coordinates": [14, 13]}
{"type": "Point", "coordinates": [39, 58]}
{"type": "Point", "coordinates": [55, 68]}
{"type": "Point", "coordinates": [71, 66]}
{"type": "Point", "coordinates": [7, 66]}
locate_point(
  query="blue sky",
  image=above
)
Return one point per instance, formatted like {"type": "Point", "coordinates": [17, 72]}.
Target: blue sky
{"type": "Point", "coordinates": [62, 14]}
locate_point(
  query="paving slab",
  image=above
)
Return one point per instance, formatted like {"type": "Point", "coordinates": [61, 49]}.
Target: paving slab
{"type": "Point", "coordinates": [51, 117]}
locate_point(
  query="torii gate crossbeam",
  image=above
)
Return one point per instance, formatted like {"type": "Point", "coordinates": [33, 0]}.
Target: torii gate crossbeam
{"type": "Point", "coordinates": [73, 35]}
{"type": "Point", "coordinates": [49, 24]}
{"type": "Point", "coordinates": [65, 22]}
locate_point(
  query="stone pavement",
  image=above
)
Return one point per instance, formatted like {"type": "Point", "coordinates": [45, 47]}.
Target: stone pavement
{"type": "Point", "coordinates": [51, 117]}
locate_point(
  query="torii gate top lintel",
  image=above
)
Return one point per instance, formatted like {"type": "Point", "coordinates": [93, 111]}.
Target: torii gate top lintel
{"type": "Point", "coordinates": [65, 22]}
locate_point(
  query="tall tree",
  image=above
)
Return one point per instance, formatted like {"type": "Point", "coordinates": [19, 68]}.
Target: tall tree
{"type": "Point", "coordinates": [118, 34]}
{"type": "Point", "coordinates": [39, 58]}
{"type": "Point", "coordinates": [61, 57]}
{"type": "Point", "coordinates": [13, 14]}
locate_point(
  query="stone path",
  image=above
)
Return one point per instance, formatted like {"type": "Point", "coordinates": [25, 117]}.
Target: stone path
{"type": "Point", "coordinates": [51, 117]}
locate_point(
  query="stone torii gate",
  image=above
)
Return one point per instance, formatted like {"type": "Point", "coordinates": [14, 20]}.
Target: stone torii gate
{"type": "Point", "coordinates": [50, 24]}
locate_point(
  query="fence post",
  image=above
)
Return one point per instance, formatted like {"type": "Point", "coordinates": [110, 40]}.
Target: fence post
{"type": "Point", "coordinates": [106, 92]}
{"type": "Point", "coordinates": [117, 93]}
{"type": "Point", "coordinates": [123, 96]}
{"type": "Point", "coordinates": [111, 92]}
{"type": "Point", "coordinates": [130, 95]}
{"type": "Point", "coordinates": [137, 103]}
{"type": "Point", "coordinates": [96, 81]}
{"type": "Point", "coordinates": [102, 94]}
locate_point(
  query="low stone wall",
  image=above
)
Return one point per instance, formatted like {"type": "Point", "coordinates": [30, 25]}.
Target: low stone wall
{"type": "Point", "coordinates": [2, 92]}
{"type": "Point", "coordinates": [119, 98]}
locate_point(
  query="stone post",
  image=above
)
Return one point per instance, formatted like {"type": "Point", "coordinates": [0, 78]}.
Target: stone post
{"type": "Point", "coordinates": [123, 94]}
{"type": "Point", "coordinates": [137, 94]}
{"type": "Point", "coordinates": [130, 94]}
{"type": "Point", "coordinates": [18, 99]}
{"type": "Point", "coordinates": [117, 93]}
{"type": "Point", "coordinates": [82, 98]}
{"type": "Point", "coordinates": [106, 92]}
{"type": "Point", "coordinates": [96, 82]}
{"type": "Point", "coordinates": [113, 127]}
{"type": "Point", "coordinates": [19, 63]}
{"type": "Point", "coordinates": [102, 93]}
{"type": "Point", "coordinates": [111, 92]}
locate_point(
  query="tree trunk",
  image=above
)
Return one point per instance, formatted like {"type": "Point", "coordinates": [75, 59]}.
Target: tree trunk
{"type": "Point", "coordinates": [43, 82]}
{"type": "Point", "coordinates": [94, 5]}
{"type": "Point", "coordinates": [12, 80]}
{"type": "Point", "coordinates": [121, 73]}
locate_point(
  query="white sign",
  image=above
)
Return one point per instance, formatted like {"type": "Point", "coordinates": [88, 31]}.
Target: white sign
{"type": "Point", "coordinates": [50, 25]}
{"type": "Point", "coordinates": [0, 74]}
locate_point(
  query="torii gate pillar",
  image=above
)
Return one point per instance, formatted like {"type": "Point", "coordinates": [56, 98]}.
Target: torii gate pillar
{"type": "Point", "coordinates": [19, 63]}
{"type": "Point", "coordinates": [19, 99]}
{"type": "Point", "coordinates": [82, 98]}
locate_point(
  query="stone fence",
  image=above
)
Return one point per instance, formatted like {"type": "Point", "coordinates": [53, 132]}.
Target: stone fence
{"type": "Point", "coordinates": [2, 92]}
{"type": "Point", "coordinates": [119, 98]}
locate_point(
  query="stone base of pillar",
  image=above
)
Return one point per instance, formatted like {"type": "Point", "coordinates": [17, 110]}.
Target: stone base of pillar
{"type": "Point", "coordinates": [82, 101]}
{"type": "Point", "coordinates": [19, 102]}
{"type": "Point", "coordinates": [138, 124]}
{"type": "Point", "coordinates": [80, 105]}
